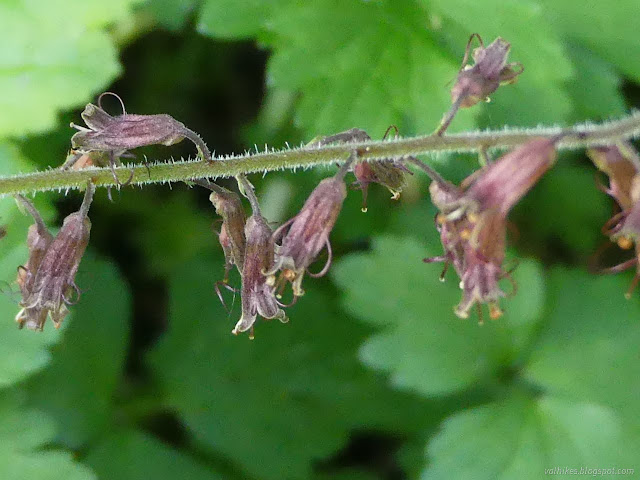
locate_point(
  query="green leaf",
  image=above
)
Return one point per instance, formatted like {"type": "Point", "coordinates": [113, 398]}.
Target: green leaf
{"type": "Point", "coordinates": [23, 435]}
{"type": "Point", "coordinates": [259, 402]}
{"type": "Point", "coordinates": [171, 14]}
{"type": "Point", "coordinates": [78, 386]}
{"type": "Point", "coordinates": [594, 87]}
{"type": "Point", "coordinates": [588, 349]}
{"type": "Point", "coordinates": [23, 352]}
{"type": "Point", "coordinates": [575, 226]}
{"type": "Point", "coordinates": [421, 342]}
{"type": "Point", "coordinates": [522, 438]}
{"type": "Point", "coordinates": [54, 56]}
{"type": "Point", "coordinates": [132, 455]}
{"type": "Point", "coordinates": [235, 19]}
{"type": "Point", "coordinates": [365, 64]}
{"type": "Point", "coordinates": [609, 29]}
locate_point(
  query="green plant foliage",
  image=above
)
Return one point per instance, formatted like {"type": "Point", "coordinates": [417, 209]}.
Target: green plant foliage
{"type": "Point", "coordinates": [420, 341]}
{"type": "Point", "coordinates": [88, 361]}
{"type": "Point", "coordinates": [59, 57]}
{"type": "Point", "coordinates": [523, 437]}
{"type": "Point", "coordinates": [586, 416]}
{"type": "Point", "coordinates": [372, 79]}
{"type": "Point", "coordinates": [271, 390]}
{"type": "Point", "coordinates": [24, 433]}
{"type": "Point", "coordinates": [141, 456]}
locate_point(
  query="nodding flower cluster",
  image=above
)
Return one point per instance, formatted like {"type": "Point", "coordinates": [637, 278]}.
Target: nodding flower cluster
{"type": "Point", "coordinates": [472, 217]}
{"type": "Point", "coordinates": [47, 280]}
{"type": "Point", "coordinates": [268, 260]}
{"type": "Point", "coordinates": [472, 221]}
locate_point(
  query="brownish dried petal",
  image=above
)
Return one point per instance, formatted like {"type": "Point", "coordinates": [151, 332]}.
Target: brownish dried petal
{"type": "Point", "coordinates": [257, 295]}
{"type": "Point", "coordinates": [38, 240]}
{"type": "Point", "coordinates": [621, 164]}
{"type": "Point", "coordinates": [229, 206]}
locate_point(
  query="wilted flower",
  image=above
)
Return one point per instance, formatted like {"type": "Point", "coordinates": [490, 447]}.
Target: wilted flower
{"type": "Point", "coordinates": [622, 165]}
{"type": "Point", "coordinates": [308, 233]}
{"type": "Point", "coordinates": [472, 220]}
{"type": "Point", "coordinates": [389, 173]}
{"type": "Point", "coordinates": [257, 292]}
{"type": "Point", "coordinates": [232, 233]}
{"type": "Point", "coordinates": [47, 282]}
{"type": "Point", "coordinates": [477, 82]}
{"type": "Point", "coordinates": [125, 132]}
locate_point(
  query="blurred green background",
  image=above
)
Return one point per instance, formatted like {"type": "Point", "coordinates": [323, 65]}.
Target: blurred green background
{"type": "Point", "coordinates": [374, 377]}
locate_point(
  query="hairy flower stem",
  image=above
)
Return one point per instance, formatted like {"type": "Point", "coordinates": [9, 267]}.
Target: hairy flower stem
{"type": "Point", "coordinates": [247, 190]}
{"type": "Point", "coordinates": [579, 136]}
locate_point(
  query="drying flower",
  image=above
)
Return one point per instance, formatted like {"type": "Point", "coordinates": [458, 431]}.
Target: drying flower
{"type": "Point", "coordinates": [477, 82]}
{"type": "Point", "coordinates": [232, 233]}
{"type": "Point", "coordinates": [490, 70]}
{"type": "Point", "coordinates": [622, 165]}
{"type": "Point", "coordinates": [47, 281]}
{"type": "Point", "coordinates": [257, 292]}
{"type": "Point", "coordinates": [127, 131]}
{"type": "Point", "coordinates": [472, 221]}
{"type": "Point", "coordinates": [308, 233]}
{"type": "Point", "coordinates": [38, 240]}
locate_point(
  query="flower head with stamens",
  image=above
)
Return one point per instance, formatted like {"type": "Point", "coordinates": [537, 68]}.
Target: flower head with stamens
{"type": "Point", "coordinates": [306, 234]}
{"type": "Point", "coordinates": [472, 220]}
{"type": "Point", "coordinates": [47, 281]}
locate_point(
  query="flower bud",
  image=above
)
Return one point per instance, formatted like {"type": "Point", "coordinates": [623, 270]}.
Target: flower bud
{"type": "Point", "coordinates": [232, 233]}
{"type": "Point", "coordinates": [128, 131]}
{"type": "Point", "coordinates": [308, 233]}
{"type": "Point", "coordinates": [257, 293]}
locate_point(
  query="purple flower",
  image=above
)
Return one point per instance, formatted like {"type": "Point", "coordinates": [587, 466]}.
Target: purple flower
{"type": "Point", "coordinates": [490, 70]}
{"type": "Point", "coordinates": [258, 297]}
{"type": "Point", "coordinates": [472, 221]}
{"type": "Point", "coordinates": [124, 132]}
{"type": "Point", "coordinates": [306, 234]}
{"type": "Point", "coordinates": [47, 281]}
